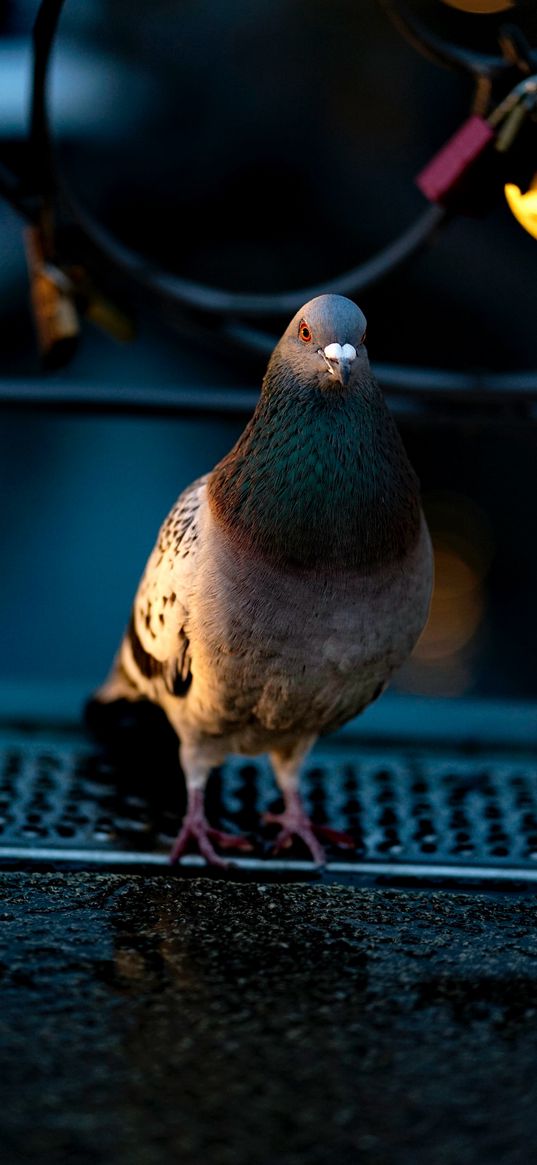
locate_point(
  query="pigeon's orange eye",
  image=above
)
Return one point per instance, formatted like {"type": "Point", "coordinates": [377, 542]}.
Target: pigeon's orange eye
{"type": "Point", "coordinates": [304, 332]}
{"type": "Point", "coordinates": [364, 338]}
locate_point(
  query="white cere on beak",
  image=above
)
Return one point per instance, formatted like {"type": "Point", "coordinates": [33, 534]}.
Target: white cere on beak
{"type": "Point", "coordinates": [337, 352]}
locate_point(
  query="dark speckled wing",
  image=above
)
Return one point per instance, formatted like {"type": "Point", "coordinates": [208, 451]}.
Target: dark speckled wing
{"type": "Point", "coordinates": [158, 628]}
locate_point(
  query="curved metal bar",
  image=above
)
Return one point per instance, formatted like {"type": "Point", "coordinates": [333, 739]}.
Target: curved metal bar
{"type": "Point", "coordinates": [187, 293]}
{"type": "Point", "coordinates": [443, 52]}
{"type": "Point", "coordinates": [512, 394]}
{"type": "Point", "coordinates": [44, 33]}
{"type": "Point", "coordinates": [175, 290]}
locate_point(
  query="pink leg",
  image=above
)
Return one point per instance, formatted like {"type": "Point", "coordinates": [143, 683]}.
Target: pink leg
{"type": "Point", "coordinates": [295, 823]}
{"type": "Point", "coordinates": [196, 828]}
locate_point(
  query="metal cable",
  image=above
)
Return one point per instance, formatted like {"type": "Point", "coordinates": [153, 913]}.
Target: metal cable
{"type": "Point", "coordinates": [443, 52]}
{"type": "Point", "coordinates": [191, 294]}
{"type": "Point", "coordinates": [182, 293]}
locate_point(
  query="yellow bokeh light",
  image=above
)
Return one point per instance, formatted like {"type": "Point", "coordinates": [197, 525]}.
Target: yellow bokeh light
{"type": "Point", "coordinates": [445, 658]}
{"type": "Point", "coordinates": [456, 608]}
{"type": "Point", "coordinates": [479, 6]}
{"type": "Point", "coordinates": [523, 206]}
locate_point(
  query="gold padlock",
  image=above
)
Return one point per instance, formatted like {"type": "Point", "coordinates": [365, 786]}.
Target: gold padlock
{"type": "Point", "coordinates": [511, 127]}
{"type": "Point", "coordinates": [55, 315]}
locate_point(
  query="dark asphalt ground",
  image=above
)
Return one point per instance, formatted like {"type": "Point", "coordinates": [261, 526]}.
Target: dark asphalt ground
{"type": "Point", "coordinates": [149, 1019]}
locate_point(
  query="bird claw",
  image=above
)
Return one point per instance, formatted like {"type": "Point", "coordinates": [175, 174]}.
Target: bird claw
{"type": "Point", "coordinates": [298, 825]}
{"type": "Point", "coordinates": [197, 829]}
{"type": "Point", "coordinates": [334, 836]}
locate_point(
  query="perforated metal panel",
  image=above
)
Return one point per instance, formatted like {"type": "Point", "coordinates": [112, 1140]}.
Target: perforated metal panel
{"type": "Point", "coordinates": [409, 812]}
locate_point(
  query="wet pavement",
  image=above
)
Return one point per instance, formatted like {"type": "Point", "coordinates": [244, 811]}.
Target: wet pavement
{"type": "Point", "coordinates": [148, 1019]}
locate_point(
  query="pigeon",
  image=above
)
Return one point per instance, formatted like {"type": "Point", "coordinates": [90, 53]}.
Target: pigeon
{"type": "Point", "coordinates": [286, 585]}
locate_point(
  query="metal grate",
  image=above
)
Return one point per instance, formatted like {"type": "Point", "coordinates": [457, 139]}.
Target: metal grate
{"type": "Point", "coordinates": [411, 812]}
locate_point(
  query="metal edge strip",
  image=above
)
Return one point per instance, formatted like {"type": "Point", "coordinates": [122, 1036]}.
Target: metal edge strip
{"type": "Point", "coordinates": [416, 870]}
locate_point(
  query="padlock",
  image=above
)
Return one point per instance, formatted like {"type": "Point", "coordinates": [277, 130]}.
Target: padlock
{"type": "Point", "coordinates": [513, 124]}
{"type": "Point", "coordinates": [451, 177]}
{"type": "Point", "coordinates": [510, 128]}
{"type": "Point", "coordinates": [55, 315]}
{"type": "Point", "coordinates": [96, 306]}
{"type": "Point", "coordinates": [440, 177]}
{"type": "Point", "coordinates": [110, 318]}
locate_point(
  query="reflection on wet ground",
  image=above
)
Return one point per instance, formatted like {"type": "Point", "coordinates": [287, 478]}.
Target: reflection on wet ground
{"type": "Point", "coordinates": [148, 1019]}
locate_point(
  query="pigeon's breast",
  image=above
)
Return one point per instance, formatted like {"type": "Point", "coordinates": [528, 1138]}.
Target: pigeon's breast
{"type": "Point", "coordinates": [289, 652]}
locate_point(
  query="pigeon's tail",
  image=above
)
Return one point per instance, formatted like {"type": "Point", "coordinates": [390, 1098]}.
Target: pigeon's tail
{"type": "Point", "coordinates": [136, 743]}
{"type": "Point", "coordinates": [111, 720]}
{"type": "Point", "coordinates": [114, 709]}
{"type": "Point", "coordinates": [130, 731]}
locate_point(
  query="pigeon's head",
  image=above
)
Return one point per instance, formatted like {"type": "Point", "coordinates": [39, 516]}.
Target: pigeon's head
{"type": "Point", "coordinates": [324, 343]}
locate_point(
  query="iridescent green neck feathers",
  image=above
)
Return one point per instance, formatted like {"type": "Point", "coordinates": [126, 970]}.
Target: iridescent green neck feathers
{"type": "Point", "coordinates": [318, 479]}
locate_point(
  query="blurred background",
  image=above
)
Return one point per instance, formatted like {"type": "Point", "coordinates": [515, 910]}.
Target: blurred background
{"type": "Point", "coordinates": [263, 147]}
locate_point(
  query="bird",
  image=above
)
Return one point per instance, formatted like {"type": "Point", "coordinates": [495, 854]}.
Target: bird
{"type": "Point", "coordinates": [287, 584]}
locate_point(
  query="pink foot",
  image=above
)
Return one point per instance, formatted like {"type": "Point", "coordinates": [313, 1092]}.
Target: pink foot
{"type": "Point", "coordinates": [196, 828]}
{"type": "Point", "coordinates": [335, 836]}
{"type": "Point", "coordinates": [295, 823]}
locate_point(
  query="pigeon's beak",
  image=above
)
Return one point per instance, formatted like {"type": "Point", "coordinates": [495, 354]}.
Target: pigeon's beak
{"type": "Point", "coordinates": [340, 360]}
{"type": "Point", "coordinates": [342, 369]}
